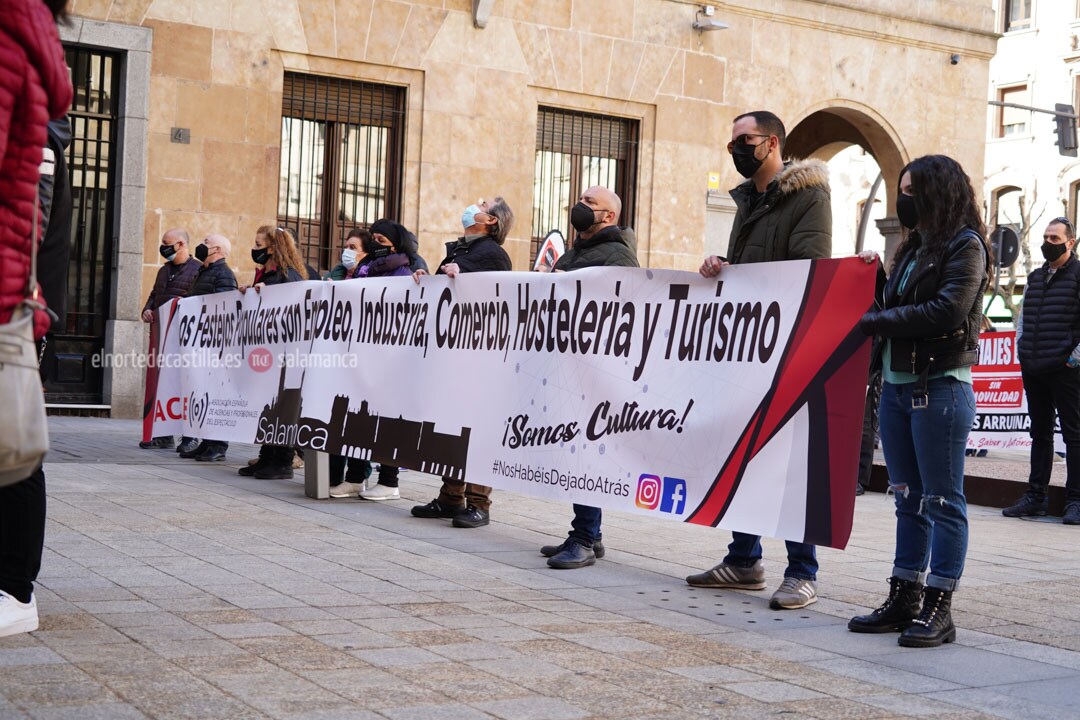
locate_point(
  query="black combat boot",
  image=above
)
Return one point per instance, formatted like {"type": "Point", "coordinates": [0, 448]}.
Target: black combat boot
{"type": "Point", "coordinates": [278, 464]}
{"type": "Point", "coordinates": [934, 625]}
{"type": "Point", "coordinates": [265, 453]}
{"type": "Point", "coordinates": [896, 613]}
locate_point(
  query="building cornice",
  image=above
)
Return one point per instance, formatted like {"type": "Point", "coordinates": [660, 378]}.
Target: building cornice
{"type": "Point", "coordinates": [806, 13]}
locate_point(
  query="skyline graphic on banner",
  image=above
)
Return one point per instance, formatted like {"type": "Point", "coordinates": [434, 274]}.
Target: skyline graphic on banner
{"type": "Point", "coordinates": [360, 434]}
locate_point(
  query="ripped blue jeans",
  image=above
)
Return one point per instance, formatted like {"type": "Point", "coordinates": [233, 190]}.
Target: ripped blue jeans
{"type": "Point", "coordinates": [924, 454]}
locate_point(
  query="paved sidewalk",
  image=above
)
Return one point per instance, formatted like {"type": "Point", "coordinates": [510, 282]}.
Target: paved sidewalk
{"type": "Point", "coordinates": [175, 590]}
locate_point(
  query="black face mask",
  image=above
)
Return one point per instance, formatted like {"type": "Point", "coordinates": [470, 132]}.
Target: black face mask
{"type": "Point", "coordinates": [906, 211]}
{"type": "Point", "coordinates": [260, 255]}
{"type": "Point", "coordinates": [1053, 251]}
{"type": "Point", "coordinates": [167, 251]}
{"type": "Point", "coordinates": [372, 246]}
{"type": "Point", "coordinates": [201, 252]}
{"type": "Point", "coordinates": [745, 159]}
{"type": "Point", "coordinates": [582, 217]}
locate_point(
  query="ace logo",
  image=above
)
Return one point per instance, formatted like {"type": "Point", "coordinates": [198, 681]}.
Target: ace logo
{"type": "Point", "coordinates": [667, 495]}
{"type": "Point", "coordinates": [174, 408]}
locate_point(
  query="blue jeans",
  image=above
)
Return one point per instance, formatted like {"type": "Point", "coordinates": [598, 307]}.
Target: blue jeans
{"type": "Point", "coordinates": [745, 550]}
{"type": "Point", "coordinates": [585, 525]}
{"type": "Point", "coordinates": [924, 454]}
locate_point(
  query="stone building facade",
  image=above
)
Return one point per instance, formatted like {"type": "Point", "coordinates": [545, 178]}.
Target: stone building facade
{"type": "Point", "coordinates": [484, 89]}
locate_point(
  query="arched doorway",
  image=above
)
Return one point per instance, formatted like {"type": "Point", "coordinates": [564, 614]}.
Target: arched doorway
{"type": "Point", "coordinates": [825, 131]}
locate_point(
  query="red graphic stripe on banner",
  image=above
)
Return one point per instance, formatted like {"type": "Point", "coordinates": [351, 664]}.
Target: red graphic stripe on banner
{"type": "Point", "coordinates": [150, 397]}
{"type": "Point", "coordinates": [153, 370]}
{"type": "Point", "coordinates": [845, 399]}
{"type": "Point", "coordinates": [833, 304]}
{"type": "Point", "coordinates": [714, 504]}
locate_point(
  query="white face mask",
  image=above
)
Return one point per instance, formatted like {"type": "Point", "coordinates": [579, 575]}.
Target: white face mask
{"type": "Point", "coordinates": [348, 258]}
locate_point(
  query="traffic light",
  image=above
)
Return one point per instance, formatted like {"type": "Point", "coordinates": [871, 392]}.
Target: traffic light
{"type": "Point", "coordinates": [1066, 129]}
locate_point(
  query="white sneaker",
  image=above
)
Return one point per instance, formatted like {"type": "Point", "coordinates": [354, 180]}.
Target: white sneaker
{"type": "Point", "coordinates": [17, 617]}
{"type": "Point", "coordinates": [794, 593]}
{"type": "Point", "coordinates": [346, 489]}
{"type": "Point", "coordinates": [380, 492]}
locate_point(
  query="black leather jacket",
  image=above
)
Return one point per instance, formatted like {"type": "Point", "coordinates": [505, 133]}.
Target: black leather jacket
{"type": "Point", "coordinates": [934, 323]}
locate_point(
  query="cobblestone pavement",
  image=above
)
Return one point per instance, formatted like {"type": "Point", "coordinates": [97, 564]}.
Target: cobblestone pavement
{"type": "Point", "coordinates": [175, 590]}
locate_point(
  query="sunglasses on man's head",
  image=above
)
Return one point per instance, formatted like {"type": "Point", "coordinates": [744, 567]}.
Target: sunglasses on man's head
{"type": "Point", "coordinates": [1064, 221]}
{"type": "Point", "coordinates": [744, 139]}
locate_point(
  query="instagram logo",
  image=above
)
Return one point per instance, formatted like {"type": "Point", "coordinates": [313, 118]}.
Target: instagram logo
{"type": "Point", "coordinates": [648, 492]}
{"type": "Point", "coordinates": [668, 496]}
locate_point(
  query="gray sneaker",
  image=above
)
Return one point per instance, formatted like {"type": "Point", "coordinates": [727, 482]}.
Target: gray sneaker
{"type": "Point", "coordinates": [794, 593]}
{"type": "Point", "coordinates": [729, 576]}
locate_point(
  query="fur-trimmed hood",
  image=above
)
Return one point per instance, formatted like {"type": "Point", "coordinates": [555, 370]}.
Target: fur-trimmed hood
{"type": "Point", "coordinates": [800, 174]}
{"type": "Point", "coordinates": [791, 220]}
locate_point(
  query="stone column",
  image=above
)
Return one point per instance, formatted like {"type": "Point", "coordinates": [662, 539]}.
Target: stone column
{"type": "Point", "coordinates": [890, 227]}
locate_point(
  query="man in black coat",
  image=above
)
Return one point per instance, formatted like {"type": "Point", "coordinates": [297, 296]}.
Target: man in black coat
{"type": "Point", "coordinates": [1048, 339]}
{"type": "Point", "coordinates": [174, 280]}
{"type": "Point", "coordinates": [599, 242]}
{"type": "Point", "coordinates": [214, 276]}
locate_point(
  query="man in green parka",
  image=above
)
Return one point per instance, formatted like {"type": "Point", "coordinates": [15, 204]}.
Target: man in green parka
{"type": "Point", "coordinates": [783, 213]}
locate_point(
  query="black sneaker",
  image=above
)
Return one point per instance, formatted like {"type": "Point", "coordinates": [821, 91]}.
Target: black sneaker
{"type": "Point", "coordinates": [436, 509]}
{"type": "Point", "coordinates": [1027, 506]}
{"type": "Point", "coordinates": [1072, 514]}
{"type": "Point", "coordinates": [194, 452]}
{"type": "Point", "coordinates": [187, 446]}
{"type": "Point", "coordinates": [574, 555]}
{"type": "Point", "coordinates": [553, 550]}
{"type": "Point", "coordinates": [471, 517]}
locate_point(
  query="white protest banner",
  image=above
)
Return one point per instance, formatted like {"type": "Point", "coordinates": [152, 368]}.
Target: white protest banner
{"type": "Point", "coordinates": [734, 402]}
{"type": "Point", "coordinates": [1001, 415]}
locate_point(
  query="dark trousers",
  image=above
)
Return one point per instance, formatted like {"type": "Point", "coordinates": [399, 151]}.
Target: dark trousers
{"type": "Point", "coordinates": [388, 475]}
{"type": "Point", "coordinates": [869, 430]}
{"type": "Point", "coordinates": [1051, 393]}
{"type": "Point", "coordinates": [358, 470]}
{"type": "Point", "coordinates": [745, 550]}
{"type": "Point", "coordinates": [22, 535]}
{"type": "Point", "coordinates": [585, 527]}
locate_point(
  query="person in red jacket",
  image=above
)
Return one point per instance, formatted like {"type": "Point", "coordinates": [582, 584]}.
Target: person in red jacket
{"type": "Point", "coordinates": [35, 87]}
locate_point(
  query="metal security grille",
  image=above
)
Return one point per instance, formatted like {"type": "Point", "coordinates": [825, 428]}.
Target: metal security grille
{"type": "Point", "coordinates": [342, 153]}
{"type": "Point", "coordinates": [574, 151]}
{"type": "Point", "coordinates": [70, 374]}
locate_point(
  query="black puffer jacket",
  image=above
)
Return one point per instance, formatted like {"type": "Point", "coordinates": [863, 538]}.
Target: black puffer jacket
{"type": "Point", "coordinates": [614, 246]}
{"type": "Point", "coordinates": [1050, 325]}
{"type": "Point", "coordinates": [276, 277]}
{"type": "Point", "coordinates": [478, 255]}
{"type": "Point", "coordinates": [213, 278]}
{"type": "Point", "coordinates": [934, 323]}
{"type": "Point", "coordinates": [172, 281]}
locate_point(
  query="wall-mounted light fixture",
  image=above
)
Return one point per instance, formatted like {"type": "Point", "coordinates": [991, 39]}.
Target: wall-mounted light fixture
{"type": "Point", "coordinates": [704, 20]}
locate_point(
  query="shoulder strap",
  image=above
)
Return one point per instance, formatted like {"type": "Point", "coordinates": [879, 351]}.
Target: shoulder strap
{"type": "Point", "coordinates": [31, 281]}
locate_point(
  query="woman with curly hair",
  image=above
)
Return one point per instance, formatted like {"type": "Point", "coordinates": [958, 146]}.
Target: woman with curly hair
{"type": "Point", "coordinates": [275, 251]}
{"type": "Point", "coordinates": [928, 318]}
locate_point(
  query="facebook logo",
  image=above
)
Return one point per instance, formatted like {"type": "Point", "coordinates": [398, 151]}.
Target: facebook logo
{"type": "Point", "coordinates": [673, 499]}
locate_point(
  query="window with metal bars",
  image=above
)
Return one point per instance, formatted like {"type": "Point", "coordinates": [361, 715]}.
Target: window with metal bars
{"type": "Point", "coordinates": [93, 118]}
{"type": "Point", "coordinates": [342, 154]}
{"type": "Point", "coordinates": [575, 151]}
